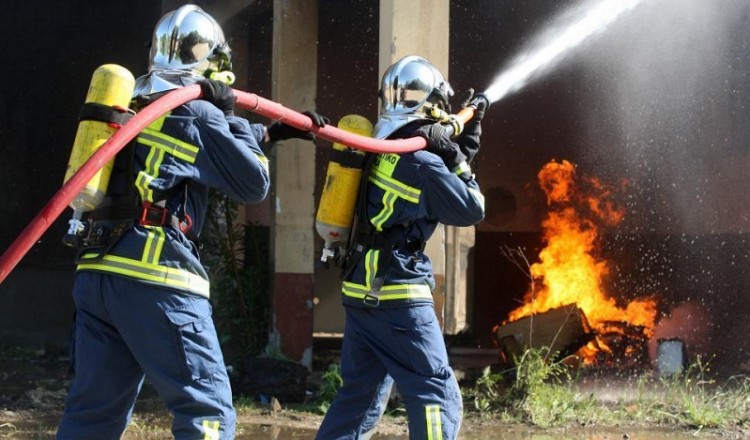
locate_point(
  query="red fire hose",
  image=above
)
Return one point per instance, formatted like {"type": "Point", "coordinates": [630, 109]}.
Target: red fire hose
{"type": "Point", "coordinates": [122, 137]}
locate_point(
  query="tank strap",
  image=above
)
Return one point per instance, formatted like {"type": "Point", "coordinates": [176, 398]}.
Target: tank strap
{"type": "Point", "coordinates": [347, 158]}
{"type": "Point", "coordinates": [360, 224]}
{"type": "Point", "coordinates": [116, 115]}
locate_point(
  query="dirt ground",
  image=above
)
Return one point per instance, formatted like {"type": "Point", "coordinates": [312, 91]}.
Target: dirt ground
{"type": "Point", "coordinates": [33, 386]}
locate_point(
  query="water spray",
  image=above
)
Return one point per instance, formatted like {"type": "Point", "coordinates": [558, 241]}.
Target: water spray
{"type": "Point", "coordinates": [590, 18]}
{"type": "Point", "coordinates": [549, 49]}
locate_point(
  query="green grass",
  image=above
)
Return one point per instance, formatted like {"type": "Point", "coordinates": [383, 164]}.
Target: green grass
{"type": "Point", "coordinates": [547, 393]}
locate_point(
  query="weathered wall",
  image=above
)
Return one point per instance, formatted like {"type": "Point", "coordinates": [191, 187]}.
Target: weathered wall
{"type": "Point", "coordinates": [51, 49]}
{"type": "Point", "coordinates": [685, 152]}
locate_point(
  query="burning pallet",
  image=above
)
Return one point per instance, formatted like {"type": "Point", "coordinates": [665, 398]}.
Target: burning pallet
{"type": "Point", "coordinates": [563, 330]}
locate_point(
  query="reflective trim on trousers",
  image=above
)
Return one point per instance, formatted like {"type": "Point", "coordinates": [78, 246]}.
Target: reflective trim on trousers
{"type": "Point", "coordinates": [434, 425]}
{"type": "Point", "coordinates": [211, 428]}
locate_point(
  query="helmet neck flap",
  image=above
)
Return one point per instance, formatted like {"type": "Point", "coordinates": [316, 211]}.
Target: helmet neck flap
{"type": "Point", "coordinates": [187, 45]}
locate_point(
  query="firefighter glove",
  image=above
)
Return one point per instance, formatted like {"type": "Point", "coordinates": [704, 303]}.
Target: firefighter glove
{"type": "Point", "coordinates": [481, 103]}
{"type": "Point", "coordinates": [469, 138]}
{"type": "Point", "coordinates": [219, 94]}
{"type": "Point", "coordinates": [440, 144]}
{"type": "Point", "coordinates": [468, 141]}
{"type": "Point", "coordinates": [278, 131]}
{"type": "Point", "coordinates": [465, 97]}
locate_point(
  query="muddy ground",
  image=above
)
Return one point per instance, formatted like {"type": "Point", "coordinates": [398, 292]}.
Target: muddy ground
{"type": "Point", "coordinates": [33, 385]}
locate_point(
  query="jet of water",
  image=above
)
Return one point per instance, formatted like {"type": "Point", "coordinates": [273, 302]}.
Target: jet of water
{"type": "Point", "coordinates": [548, 50]}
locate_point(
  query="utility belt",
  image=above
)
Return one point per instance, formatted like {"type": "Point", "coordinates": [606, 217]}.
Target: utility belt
{"type": "Point", "coordinates": [103, 227]}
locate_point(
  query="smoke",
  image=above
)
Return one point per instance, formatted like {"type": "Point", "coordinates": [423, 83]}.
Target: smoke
{"type": "Point", "coordinates": [687, 322]}
{"type": "Point", "coordinates": [672, 79]}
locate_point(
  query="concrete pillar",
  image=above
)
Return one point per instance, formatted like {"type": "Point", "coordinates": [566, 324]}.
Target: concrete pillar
{"type": "Point", "coordinates": [293, 161]}
{"type": "Point", "coordinates": [399, 36]}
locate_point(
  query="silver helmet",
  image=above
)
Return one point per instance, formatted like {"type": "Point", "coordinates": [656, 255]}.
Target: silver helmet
{"type": "Point", "coordinates": [409, 89]}
{"type": "Point", "coordinates": [187, 45]}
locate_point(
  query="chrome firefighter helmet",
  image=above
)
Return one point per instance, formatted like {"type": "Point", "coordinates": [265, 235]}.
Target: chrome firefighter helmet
{"type": "Point", "coordinates": [187, 45]}
{"type": "Point", "coordinates": [409, 89]}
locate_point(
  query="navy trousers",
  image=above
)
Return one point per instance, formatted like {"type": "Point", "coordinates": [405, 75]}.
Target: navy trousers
{"type": "Point", "coordinates": [404, 344]}
{"type": "Point", "coordinates": [125, 330]}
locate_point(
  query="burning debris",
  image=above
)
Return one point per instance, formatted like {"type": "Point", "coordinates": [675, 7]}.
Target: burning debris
{"type": "Point", "coordinates": [563, 330]}
{"type": "Point", "coordinates": [567, 282]}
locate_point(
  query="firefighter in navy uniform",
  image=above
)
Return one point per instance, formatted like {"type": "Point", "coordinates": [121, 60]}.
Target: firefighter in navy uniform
{"type": "Point", "coordinates": [142, 301]}
{"type": "Point", "coordinates": [391, 328]}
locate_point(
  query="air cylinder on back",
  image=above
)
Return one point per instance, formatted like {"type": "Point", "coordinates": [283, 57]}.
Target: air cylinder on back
{"type": "Point", "coordinates": [333, 221]}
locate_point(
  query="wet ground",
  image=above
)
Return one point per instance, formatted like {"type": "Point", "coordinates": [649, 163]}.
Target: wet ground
{"type": "Point", "coordinates": [32, 389]}
{"type": "Point", "coordinates": [258, 430]}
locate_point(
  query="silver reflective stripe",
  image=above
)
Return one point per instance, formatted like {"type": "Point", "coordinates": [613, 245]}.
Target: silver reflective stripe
{"type": "Point", "coordinates": [387, 292]}
{"type": "Point", "coordinates": [169, 276]}
{"type": "Point", "coordinates": [406, 192]}
{"type": "Point", "coordinates": [434, 423]}
{"type": "Point", "coordinates": [169, 145]}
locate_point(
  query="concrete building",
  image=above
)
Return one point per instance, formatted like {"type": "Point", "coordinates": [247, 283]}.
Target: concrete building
{"type": "Point", "coordinates": [662, 105]}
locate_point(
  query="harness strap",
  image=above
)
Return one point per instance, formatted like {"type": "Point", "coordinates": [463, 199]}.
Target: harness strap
{"type": "Point", "coordinates": [115, 115]}
{"type": "Point", "coordinates": [364, 237]}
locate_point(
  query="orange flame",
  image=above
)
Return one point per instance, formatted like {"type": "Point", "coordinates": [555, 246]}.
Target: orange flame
{"type": "Point", "coordinates": [568, 272]}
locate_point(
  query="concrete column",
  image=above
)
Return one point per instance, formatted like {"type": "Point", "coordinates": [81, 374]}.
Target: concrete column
{"type": "Point", "coordinates": [294, 86]}
{"type": "Point", "coordinates": [399, 36]}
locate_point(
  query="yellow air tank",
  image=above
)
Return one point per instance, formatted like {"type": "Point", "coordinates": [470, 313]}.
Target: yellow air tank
{"type": "Point", "coordinates": [333, 221]}
{"type": "Point", "coordinates": [111, 86]}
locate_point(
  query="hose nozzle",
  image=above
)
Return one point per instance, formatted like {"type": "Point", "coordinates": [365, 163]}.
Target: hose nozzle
{"type": "Point", "coordinates": [480, 101]}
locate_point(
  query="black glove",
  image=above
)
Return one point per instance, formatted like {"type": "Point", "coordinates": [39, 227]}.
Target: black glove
{"type": "Point", "coordinates": [465, 97]}
{"type": "Point", "coordinates": [219, 94]}
{"type": "Point", "coordinates": [481, 103]}
{"type": "Point", "coordinates": [439, 143]}
{"type": "Point", "coordinates": [469, 138]}
{"type": "Point", "coordinates": [278, 131]}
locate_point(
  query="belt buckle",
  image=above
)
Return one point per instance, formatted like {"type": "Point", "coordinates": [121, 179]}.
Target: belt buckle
{"type": "Point", "coordinates": [372, 301]}
{"type": "Point", "coordinates": [148, 209]}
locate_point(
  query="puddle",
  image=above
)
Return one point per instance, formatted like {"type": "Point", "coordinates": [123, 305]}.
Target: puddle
{"type": "Point", "coordinates": [278, 433]}
{"type": "Point", "coordinates": [44, 429]}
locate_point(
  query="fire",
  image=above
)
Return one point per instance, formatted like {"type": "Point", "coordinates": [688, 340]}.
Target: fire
{"type": "Point", "coordinates": [568, 270]}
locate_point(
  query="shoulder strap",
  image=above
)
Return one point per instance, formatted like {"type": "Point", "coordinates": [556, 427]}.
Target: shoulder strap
{"type": "Point", "coordinates": [361, 225]}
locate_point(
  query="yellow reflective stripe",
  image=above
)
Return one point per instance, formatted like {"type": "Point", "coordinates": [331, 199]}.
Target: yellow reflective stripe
{"type": "Point", "coordinates": [168, 276]}
{"type": "Point", "coordinates": [388, 292]}
{"type": "Point", "coordinates": [159, 123]}
{"type": "Point", "coordinates": [145, 176]}
{"type": "Point", "coordinates": [168, 144]}
{"type": "Point", "coordinates": [389, 201]}
{"type": "Point", "coordinates": [387, 183]}
{"type": "Point", "coordinates": [263, 161]}
{"type": "Point", "coordinates": [434, 423]}
{"type": "Point", "coordinates": [386, 163]}
{"type": "Point", "coordinates": [463, 167]}
{"type": "Point", "coordinates": [154, 245]}
{"type": "Point", "coordinates": [211, 428]}
{"type": "Point", "coordinates": [371, 266]}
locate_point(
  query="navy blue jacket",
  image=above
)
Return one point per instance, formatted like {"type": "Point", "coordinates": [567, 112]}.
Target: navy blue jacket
{"type": "Point", "coordinates": [408, 195]}
{"type": "Point", "coordinates": [177, 159]}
